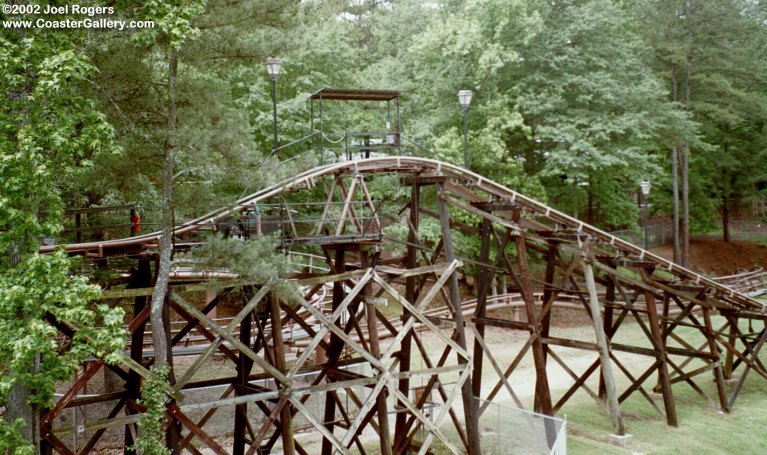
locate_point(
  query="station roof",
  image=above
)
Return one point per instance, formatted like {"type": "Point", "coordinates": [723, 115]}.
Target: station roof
{"type": "Point", "coordinates": [350, 94]}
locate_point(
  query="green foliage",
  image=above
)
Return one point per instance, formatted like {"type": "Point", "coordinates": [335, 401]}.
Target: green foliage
{"type": "Point", "coordinates": [11, 440]}
{"type": "Point", "coordinates": [49, 133]}
{"type": "Point", "coordinates": [39, 286]}
{"type": "Point", "coordinates": [173, 21]}
{"type": "Point", "coordinates": [715, 52]}
{"type": "Point", "coordinates": [151, 435]}
{"type": "Point", "coordinates": [257, 260]}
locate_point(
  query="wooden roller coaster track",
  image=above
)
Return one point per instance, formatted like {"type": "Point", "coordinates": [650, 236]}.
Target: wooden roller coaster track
{"type": "Point", "coordinates": [610, 280]}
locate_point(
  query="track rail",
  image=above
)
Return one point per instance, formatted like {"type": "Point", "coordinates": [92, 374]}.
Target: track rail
{"type": "Point", "coordinates": [413, 166]}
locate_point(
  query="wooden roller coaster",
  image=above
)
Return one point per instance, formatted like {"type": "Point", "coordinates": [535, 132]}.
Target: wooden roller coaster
{"type": "Point", "coordinates": [366, 269]}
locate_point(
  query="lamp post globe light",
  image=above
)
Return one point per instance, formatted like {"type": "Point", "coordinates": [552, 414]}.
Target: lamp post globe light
{"type": "Point", "coordinates": [645, 187]}
{"type": "Point", "coordinates": [273, 67]}
{"type": "Point", "coordinates": [464, 99]}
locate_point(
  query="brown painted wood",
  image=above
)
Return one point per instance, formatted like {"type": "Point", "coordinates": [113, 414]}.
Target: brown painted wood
{"type": "Point", "coordinates": [384, 436]}
{"type": "Point", "coordinates": [665, 382]}
{"type": "Point", "coordinates": [604, 352]}
{"type": "Point", "coordinates": [286, 417]}
{"type": "Point", "coordinates": [469, 403]}
{"type": "Point", "coordinates": [192, 427]}
{"type": "Point", "coordinates": [411, 294]}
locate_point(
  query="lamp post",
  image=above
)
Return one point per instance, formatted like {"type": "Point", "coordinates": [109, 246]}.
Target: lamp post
{"type": "Point", "coordinates": [273, 66]}
{"type": "Point", "coordinates": [645, 186]}
{"type": "Point", "coordinates": [464, 99]}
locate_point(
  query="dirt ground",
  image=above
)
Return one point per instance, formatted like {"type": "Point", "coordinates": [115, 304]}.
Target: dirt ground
{"type": "Point", "coordinates": [713, 256]}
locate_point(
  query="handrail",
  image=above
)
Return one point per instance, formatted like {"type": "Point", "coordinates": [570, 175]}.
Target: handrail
{"type": "Point", "coordinates": [423, 147]}
{"type": "Point", "coordinates": [275, 150]}
{"type": "Point", "coordinates": [407, 164]}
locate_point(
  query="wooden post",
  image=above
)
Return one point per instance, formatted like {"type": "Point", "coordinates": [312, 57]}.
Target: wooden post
{"type": "Point", "coordinates": [286, 416]}
{"type": "Point", "coordinates": [548, 292]}
{"type": "Point", "coordinates": [375, 349]}
{"type": "Point", "coordinates": [480, 310]}
{"type": "Point", "coordinates": [244, 367]}
{"type": "Point", "coordinates": [335, 348]}
{"type": "Point", "coordinates": [173, 435]}
{"type": "Point", "coordinates": [411, 294]}
{"type": "Point", "coordinates": [729, 358]}
{"type": "Point", "coordinates": [665, 380]}
{"type": "Point", "coordinates": [748, 366]}
{"type": "Point", "coordinates": [142, 278]}
{"type": "Point", "coordinates": [469, 402]}
{"type": "Point", "coordinates": [526, 289]}
{"type": "Point", "coordinates": [718, 370]}
{"type": "Point", "coordinates": [604, 351]}
{"type": "Point", "coordinates": [607, 324]}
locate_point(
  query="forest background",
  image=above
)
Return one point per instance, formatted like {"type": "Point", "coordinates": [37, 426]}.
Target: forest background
{"type": "Point", "coordinates": [575, 102]}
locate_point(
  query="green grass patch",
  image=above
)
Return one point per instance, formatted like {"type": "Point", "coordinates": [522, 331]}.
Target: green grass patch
{"type": "Point", "coordinates": [703, 429]}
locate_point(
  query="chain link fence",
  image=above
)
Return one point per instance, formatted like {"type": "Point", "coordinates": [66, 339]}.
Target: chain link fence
{"type": "Point", "coordinates": [662, 233]}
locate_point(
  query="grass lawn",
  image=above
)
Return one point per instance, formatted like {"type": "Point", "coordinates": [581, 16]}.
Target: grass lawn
{"type": "Point", "coordinates": [702, 430]}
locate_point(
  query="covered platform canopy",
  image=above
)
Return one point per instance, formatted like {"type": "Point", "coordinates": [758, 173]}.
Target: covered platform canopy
{"type": "Point", "coordinates": [354, 94]}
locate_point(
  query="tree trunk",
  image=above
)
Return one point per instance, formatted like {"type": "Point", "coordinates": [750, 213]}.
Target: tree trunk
{"type": "Point", "coordinates": [590, 203]}
{"type": "Point", "coordinates": [159, 338]}
{"type": "Point", "coordinates": [18, 406]}
{"type": "Point", "coordinates": [685, 158]}
{"type": "Point", "coordinates": [685, 218]}
{"type": "Point", "coordinates": [675, 174]}
{"type": "Point", "coordinates": [725, 219]}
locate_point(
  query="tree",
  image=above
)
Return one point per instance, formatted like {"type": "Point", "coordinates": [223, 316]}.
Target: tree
{"type": "Point", "coordinates": [712, 53]}
{"type": "Point", "coordinates": [563, 89]}
{"type": "Point", "coordinates": [174, 26]}
{"type": "Point", "coordinates": [49, 133]}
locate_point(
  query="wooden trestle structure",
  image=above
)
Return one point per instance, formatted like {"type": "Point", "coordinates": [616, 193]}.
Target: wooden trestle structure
{"type": "Point", "coordinates": [612, 280]}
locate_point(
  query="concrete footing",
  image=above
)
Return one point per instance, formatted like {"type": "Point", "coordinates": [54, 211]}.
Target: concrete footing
{"type": "Point", "coordinates": [620, 440]}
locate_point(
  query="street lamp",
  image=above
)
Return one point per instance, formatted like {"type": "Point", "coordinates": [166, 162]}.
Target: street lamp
{"type": "Point", "coordinates": [464, 99]}
{"type": "Point", "coordinates": [645, 186]}
{"type": "Point", "coordinates": [273, 66]}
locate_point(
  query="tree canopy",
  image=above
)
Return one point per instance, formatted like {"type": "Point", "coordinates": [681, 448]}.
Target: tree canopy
{"type": "Point", "coordinates": [575, 102]}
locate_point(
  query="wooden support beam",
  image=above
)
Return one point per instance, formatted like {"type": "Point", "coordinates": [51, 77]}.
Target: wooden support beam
{"type": "Point", "coordinates": [417, 180]}
{"type": "Point", "coordinates": [604, 352]}
{"type": "Point", "coordinates": [142, 279]}
{"type": "Point", "coordinates": [286, 420]}
{"type": "Point", "coordinates": [483, 285]}
{"type": "Point", "coordinates": [580, 382]}
{"type": "Point", "coordinates": [433, 428]}
{"type": "Point", "coordinates": [336, 343]}
{"type": "Point", "coordinates": [434, 382]}
{"type": "Point", "coordinates": [411, 294]}
{"type": "Point", "coordinates": [748, 367]}
{"type": "Point", "coordinates": [509, 370]}
{"type": "Point", "coordinates": [479, 339]}
{"type": "Point", "coordinates": [174, 410]}
{"type": "Point", "coordinates": [384, 437]}
{"type": "Point", "coordinates": [609, 329]}
{"type": "Point", "coordinates": [665, 382]}
{"type": "Point", "coordinates": [244, 367]}
{"type": "Point", "coordinates": [542, 380]}
{"type": "Point", "coordinates": [718, 370]}
{"type": "Point", "coordinates": [215, 328]}
{"type": "Point", "coordinates": [636, 385]}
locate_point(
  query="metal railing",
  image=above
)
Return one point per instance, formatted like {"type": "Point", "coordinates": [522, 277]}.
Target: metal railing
{"type": "Point", "coordinates": [348, 145]}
